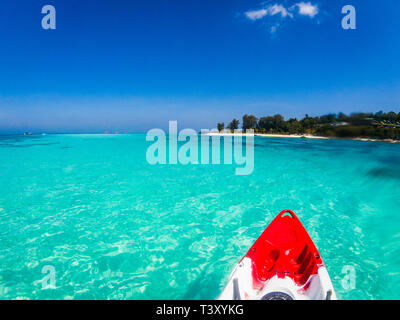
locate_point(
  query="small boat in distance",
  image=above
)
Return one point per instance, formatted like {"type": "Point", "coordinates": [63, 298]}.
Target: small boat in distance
{"type": "Point", "coordinates": [283, 264]}
{"type": "Point", "coordinates": [28, 133]}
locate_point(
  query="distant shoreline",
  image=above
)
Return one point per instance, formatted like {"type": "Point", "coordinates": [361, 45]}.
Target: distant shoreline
{"type": "Point", "coordinates": [265, 135]}
{"type": "Point", "coordinates": [299, 136]}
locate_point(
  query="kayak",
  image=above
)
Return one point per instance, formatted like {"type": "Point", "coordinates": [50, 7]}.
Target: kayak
{"type": "Point", "coordinates": [283, 264]}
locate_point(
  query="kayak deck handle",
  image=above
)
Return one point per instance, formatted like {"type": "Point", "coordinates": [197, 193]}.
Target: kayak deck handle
{"type": "Point", "coordinates": [287, 212]}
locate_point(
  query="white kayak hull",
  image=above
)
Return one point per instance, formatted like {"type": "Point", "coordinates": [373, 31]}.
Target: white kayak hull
{"type": "Point", "coordinates": [283, 264]}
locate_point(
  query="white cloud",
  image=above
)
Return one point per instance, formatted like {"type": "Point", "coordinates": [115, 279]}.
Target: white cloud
{"type": "Point", "coordinates": [277, 8]}
{"type": "Point", "coordinates": [307, 9]}
{"type": "Point", "coordinates": [256, 14]}
{"type": "Point", "coordinates": [304, 8]}
{"type": "Point", "coordinates": [271, 10]}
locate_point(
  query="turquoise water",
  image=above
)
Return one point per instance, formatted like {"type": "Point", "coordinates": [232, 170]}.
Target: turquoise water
{"type": "Point", "coordinates": [115, 227]}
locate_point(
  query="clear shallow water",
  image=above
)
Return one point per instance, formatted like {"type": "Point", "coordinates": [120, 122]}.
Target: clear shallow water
{"type": "Point", "coordinates": [115, 227]}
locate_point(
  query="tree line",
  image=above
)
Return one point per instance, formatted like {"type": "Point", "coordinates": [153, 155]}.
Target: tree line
{"type": "Point", "coordinates": [379, 125]}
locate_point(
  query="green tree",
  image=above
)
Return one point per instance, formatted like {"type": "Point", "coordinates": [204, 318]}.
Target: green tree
{"type": "Point", "coordinates": [392, 117]}
{"type": "Point", "coordinates": [294, 126]}
{"type": "Point", "coordinates": [265, 124]}
{"type": "Point", "coordinates": [249, 122]}
{"type": "Point", "coordinates": [279, 124]}
{"type": "Point", "coordinates": [342, 117]}
{"type": "Point", "coordinates": [234, 124]}
{"type": "Point", "coordinates": [329, 118]}
{"type": "Point", "coordinates": [220, 126]}
{"type": "Point", "coordinates": [309, 124]}
{"type": "Point", "coordinates": [379, 125]}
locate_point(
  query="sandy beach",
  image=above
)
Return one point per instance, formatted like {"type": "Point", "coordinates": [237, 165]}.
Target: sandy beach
{"type": "Point", "coordinates": [270, 135]}
{"type": "Point", "coordinates": [304, 136]}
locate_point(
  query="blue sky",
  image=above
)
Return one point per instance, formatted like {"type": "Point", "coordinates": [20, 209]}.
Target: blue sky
{"type": "Point", "coordinates": [133, 65]}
